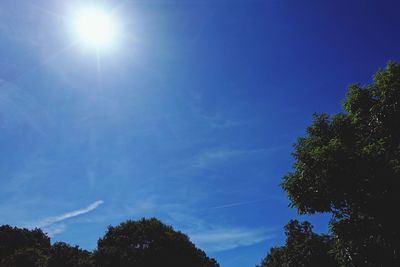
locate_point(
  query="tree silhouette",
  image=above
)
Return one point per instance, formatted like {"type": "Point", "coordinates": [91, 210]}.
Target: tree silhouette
{"type": "Point", "coordinates": [348, 164]}
{"type": "Point", "coordinates": [23, 247]}
{"type": "Point", "coordinates": [64, 255]}
{"type": "Point", "coordinates": [25, 257]}
{"type": "Point", "coordinates": [303, 248]}
{"type": "Point", "coordinates": [148, 243]}
{"type": "Point", "coordinates": [143, 243]}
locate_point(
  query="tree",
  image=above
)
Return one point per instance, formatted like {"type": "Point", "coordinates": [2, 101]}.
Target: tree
{"type": "Point", "coordinates": [64, 255]}
{"type": "Point", "coordinates": [148, 243]}
{"type": "Point", "coordinates": [32, 248]}
{"type": "Point", "coordinates": [143, 243]}
{"type": "Point", "coordinates": [274, 258]}
{"type": "Point", "coordinates": [303, 248]}
{"type": "Point", "coordinates": [25, 257]}
{"type": "Point", "coordinates": [348, 164]}
{"type": "Point", "coordinates": [23, 247]}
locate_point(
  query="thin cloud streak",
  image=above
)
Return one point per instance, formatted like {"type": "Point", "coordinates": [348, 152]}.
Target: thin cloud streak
{"type": "Point", "coordinates": [52, 230]}
{"type": "Point", "coordinates": [218, 237]}
{"type": "Point", "coordinates": [222, 239]}
{"type": "Point", "coordinates": [213, 156]}
{"type": "Point", "coordinates": [52, 220]}
{"type": "Point", "coordinates": [238, 204]}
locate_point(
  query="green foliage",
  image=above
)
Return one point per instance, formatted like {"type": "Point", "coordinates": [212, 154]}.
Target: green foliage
{"type": "Point", "coordinates": [303, 248]}
{"type": "Point", "coordinates": [148, 242]}
{"type": "Point", "coordinates": [275, 258]}
{"type": "Point", "coordinates": [25, 257]}
{"type": "Point", "coordinates": [64, 255]}
{"type": "Point", "coordinates": [143, 243]}
{"type": "Point", "coordinates": [23, 247]}
{"type": "Point", "coordinates": [348, 164]}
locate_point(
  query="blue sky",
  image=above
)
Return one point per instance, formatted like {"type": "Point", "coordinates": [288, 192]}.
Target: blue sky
{"type": "Point", "coordinates": [189, 118]}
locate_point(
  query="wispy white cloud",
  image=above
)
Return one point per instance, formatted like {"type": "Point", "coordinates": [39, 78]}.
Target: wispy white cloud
{"type": "Point", "coordinates": [19, 107]}
{"type": "Point", "coordinates": [218, 155]}
{"type": "Point", "coordinates": [220, 122]}
{"type": "Point", "coordinates": [212, 156]}
{"type": "Point", "coordinates": [53, 225]}
{"type": "Point", "coordinates": [54, 229]}
{"type": "Point", "coordinates": [215, 237]}
{"type": "Point", "coordinates": [235, 204]}
{"type": "Point", "coordinates": [226, 238]}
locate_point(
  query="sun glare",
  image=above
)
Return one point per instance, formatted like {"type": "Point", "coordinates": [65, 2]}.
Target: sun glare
{"type": "Point", "coordinates": [95, 28]}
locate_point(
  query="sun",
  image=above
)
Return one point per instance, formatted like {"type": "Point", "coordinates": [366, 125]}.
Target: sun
{"type": "Point", "coordinates": [95, 28]}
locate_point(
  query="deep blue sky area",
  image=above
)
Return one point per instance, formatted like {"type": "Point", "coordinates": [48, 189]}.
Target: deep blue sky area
{"type": "Point", "coordinates": [190, 116]}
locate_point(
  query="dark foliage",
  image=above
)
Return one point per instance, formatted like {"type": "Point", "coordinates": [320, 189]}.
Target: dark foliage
{"type": "Point", "coordinates": [303, 248]}
{"type": "Point", "coordinates": [348, 164]}
{"type": "Point", "coordinates": [25, 257]}
{"type": "Point", "coordinates": [23, 247]}
{"type": "Point", "coordinates": [149, 243]}
{"type": "Point", "coordinates": [64, 255]}
{"type": "Point", "coordinates": [143, 243]}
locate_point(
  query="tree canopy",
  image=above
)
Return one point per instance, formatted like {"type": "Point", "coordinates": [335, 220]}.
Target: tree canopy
{"type": "Point", "coordinates": [64, 255]}
{"type": "Point", "coordinates": [23, 247]}
{"type": "Point", "coordinates": [148, 242]}
{"type": "Point", "coordinates": [348, 164]}
{"type": "Point", "coordinates": [303, 248]}
{"type": "Point", "coordinates": [143, 243]}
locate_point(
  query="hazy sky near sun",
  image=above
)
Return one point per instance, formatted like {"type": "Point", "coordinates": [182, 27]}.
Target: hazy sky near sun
{"type": "Point", "coordinates": [189, 116]}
